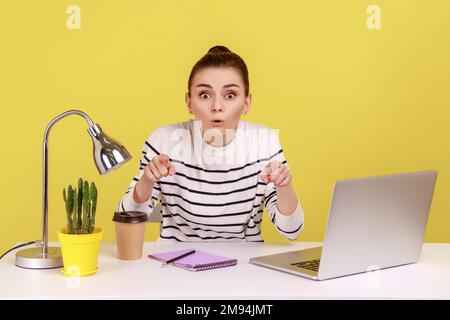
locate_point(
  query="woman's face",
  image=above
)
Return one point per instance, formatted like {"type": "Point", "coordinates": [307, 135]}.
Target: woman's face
{"type": "Point", "coordinates": [218, 94]}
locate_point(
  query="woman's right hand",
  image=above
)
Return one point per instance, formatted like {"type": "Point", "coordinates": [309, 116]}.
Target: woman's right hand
{"type": "Point", "coordinates": [159, 167]}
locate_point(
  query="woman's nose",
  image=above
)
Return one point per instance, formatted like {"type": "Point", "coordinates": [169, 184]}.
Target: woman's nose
{"type": "Point", "coordinates": [216, 105]}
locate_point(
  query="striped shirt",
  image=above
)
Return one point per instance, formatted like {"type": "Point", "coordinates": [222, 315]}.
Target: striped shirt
{"type": "Point", "coordinates": [217, 193]}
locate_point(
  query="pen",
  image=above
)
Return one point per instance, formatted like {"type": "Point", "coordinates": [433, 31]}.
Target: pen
{"type": "Point", "coordinates": [177, 258]}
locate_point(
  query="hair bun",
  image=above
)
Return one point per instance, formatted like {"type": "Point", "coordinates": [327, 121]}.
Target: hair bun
{"type": "Point", "coordinates": [218, 49]}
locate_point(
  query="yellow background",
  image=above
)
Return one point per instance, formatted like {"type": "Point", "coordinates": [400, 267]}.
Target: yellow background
{"type": "Point", "coordinates": [349, 101]}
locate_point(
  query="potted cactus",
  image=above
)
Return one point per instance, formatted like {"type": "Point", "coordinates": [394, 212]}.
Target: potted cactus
{"type": "Point", "coordinates": [80, 240]}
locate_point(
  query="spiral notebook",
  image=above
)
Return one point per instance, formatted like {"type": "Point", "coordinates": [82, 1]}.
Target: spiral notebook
{"type": "Point", "coordinates": [198, 261]}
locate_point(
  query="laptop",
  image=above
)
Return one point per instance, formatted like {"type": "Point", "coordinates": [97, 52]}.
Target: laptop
{"type": "Point", "coordinates": [373, 223]}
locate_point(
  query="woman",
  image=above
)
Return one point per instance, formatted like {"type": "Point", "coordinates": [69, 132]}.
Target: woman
{"type": "Point", "coordinates": [214, 175]}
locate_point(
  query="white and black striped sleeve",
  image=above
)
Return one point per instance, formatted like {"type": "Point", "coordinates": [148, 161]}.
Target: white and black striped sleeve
{"type": "Point", "coordinates": [291, 225]}
{"type": "Point", "coordinates": [150, 150]}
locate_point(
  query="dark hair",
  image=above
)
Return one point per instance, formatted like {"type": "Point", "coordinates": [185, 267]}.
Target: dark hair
{"type": "Point", "coordinates": [220, 56]}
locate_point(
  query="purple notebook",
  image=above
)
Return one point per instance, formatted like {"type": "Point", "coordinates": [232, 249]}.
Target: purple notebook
{"type": "Point", "coordinates": [198, 261]}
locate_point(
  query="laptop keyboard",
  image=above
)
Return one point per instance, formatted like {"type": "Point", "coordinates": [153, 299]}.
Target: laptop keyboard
{"type": "Point", "coordinates": [310, 265]}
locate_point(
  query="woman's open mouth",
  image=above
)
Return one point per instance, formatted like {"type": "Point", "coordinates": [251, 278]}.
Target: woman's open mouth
{"type": "Point", "coordinates": [217, 123]}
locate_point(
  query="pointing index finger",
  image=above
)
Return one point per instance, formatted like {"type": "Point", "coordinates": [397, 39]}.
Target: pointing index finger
{"type": "Point", "coordinates": [275, 164]}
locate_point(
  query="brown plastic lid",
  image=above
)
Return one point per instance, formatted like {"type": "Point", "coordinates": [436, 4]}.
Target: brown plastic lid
{"type": "Point", "coordinates": [130, 217]}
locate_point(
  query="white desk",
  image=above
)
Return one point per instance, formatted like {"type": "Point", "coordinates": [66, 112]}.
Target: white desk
{"type": "Point", "coordinates": [145, 279]}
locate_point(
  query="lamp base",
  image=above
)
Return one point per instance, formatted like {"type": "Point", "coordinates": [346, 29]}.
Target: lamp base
{"type": "Point", "coordinates": [32, 258]}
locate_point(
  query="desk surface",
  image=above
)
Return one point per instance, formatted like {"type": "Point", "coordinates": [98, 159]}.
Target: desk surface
{"type": "Point", "coordinates": [145, 279]}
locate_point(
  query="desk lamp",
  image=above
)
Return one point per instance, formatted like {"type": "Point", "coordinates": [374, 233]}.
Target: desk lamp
{"type": "Point", "coordinates": [109, 154]}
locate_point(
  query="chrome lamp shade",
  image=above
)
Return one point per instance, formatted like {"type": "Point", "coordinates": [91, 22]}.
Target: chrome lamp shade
{"type": "Point", "coordinates": [109, 154]}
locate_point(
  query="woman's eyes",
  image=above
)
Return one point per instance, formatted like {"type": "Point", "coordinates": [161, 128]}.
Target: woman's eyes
{"type": "Point", "coordinates": [228, 95]}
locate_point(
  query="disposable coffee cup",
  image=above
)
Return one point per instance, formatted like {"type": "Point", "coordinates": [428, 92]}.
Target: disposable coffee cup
{"type": "Point", "coordinates": [130, 233]}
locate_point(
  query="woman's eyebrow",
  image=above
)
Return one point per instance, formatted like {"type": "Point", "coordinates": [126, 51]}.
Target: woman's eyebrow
{"type": "Point", "coordinates": [209, 86]}
{"type": "Point", "coordinates": [203, 85]}
{"type": "Point", "coordinates": [230, 85]}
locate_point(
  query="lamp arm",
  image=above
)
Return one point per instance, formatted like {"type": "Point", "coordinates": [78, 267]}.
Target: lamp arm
{"type": "Point", "coordinates": [45, 173]}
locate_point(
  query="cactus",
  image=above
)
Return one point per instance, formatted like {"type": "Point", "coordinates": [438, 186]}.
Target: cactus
{"type": "Point", "coordinates": [93, 201]}
{"type": "Point", "coordinates": [80, 202]}
{"type": "Point", "coordinates": [81, 206]}
{"type": "Point", "coordinates": [69, 200]}
{"type": "Point", "coordinates": [75, 210]}
{"type": "Point", "coordinates": [85, 207]}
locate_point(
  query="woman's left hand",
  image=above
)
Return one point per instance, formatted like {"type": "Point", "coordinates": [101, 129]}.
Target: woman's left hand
{"type": "Point", "coordinates": [277, 173]}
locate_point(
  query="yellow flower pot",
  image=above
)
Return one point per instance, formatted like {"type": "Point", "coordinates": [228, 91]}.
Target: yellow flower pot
{"type": "Point", "coordinates": [80, 252]}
